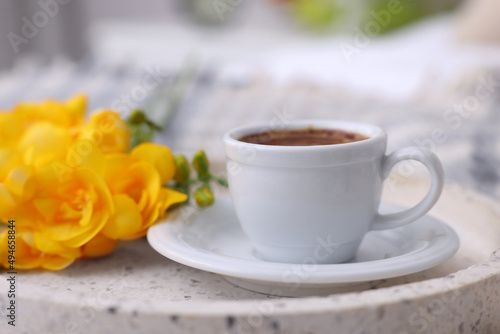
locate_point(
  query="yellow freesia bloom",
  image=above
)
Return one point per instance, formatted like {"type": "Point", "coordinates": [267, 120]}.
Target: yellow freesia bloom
{"type": "Point", "coordinates": [107, 131]}
{"type": "Point", "coordinates": [159, 156]}
{"type": "Point", "coordinates": [29, 256]}
{"type": "Point", "coordinates": [69, 114]}
{"type": "Point", "coordinates": [44, 142]}
{"type": "Point", "coordinates": [136, 184]}
{"type": "Point", "coordinates": [71, 186]}
{"type": "Point", "coordinates": [70, 211]}
{"type": "Point", "coordinates": [55, 216]}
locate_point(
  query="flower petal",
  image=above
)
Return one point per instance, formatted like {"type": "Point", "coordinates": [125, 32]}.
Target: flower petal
{"type": "Point", "coordinates": [77, 105]}
{"type": "Point", "coordinates": [76, 236]}
{"type": "Point", "coordinates": [9, 159]}
{"type": "Point", "coordinates": [126, 221]}
{"type": "Point", "coordinates": [159, 156]}
{"type": "Point", "coordinates": [47, 207]}
{"type": "Point", "coordinates": [57, 263]}
{"type": "Point", "coordinates": [44, 142]}
{"type": "Point", "coordinates": [7, 203]}
{"type": "Point", "coordinates": [20, 183]}
{"type": "Point", "coordinates": [49, 246]}
{"type": "Point", "coordinates": [108, 132]}
{"type": "Point", "coordinates": [167, 198]}
{"type": "Point", "coordinates": [98, 246]}
{"type": "Point", "coordinates": [83, 153]}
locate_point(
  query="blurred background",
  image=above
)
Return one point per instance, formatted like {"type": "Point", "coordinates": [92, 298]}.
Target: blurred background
{"type": "Point", "coordinates": [425, 70]}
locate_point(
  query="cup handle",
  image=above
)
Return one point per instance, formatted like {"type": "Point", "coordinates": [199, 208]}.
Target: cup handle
{"type": "Point", "coordinates": [431, 161]}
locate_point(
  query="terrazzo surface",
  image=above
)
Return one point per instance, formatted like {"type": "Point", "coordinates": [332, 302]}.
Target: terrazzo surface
{"type": "Point", "coordinates": [136, 290]}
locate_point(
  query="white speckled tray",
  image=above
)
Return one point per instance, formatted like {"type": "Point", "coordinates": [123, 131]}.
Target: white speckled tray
{"type": "Point", "coordinates": [136, 290]}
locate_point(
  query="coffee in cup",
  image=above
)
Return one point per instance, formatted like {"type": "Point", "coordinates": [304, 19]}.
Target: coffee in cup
{"type": "Point", "coordinates": [303, 137]}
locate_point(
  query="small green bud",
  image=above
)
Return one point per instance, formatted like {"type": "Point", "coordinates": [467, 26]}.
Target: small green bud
{"type": "Point", "coordinates": [137, 117]}
{"type": "Point", "coordinates": [201, 165]}
{"type": "Point", "coordinates": [182, 169]}
{"type": "Point", "coordinates": [204, 196]}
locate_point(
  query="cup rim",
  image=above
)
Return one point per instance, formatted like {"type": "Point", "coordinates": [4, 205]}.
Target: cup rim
{"type": "Point", "coordinates": [306, 156]}
{"type": "Point", "coordinates": [372, 131]}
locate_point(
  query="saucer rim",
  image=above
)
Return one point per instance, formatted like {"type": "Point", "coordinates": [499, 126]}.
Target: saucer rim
{"type": "Point", "coordinates": [160, 237]}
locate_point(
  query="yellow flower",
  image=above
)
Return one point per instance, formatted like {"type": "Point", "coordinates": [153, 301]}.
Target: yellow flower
{"type": "Point", "coordinates": [57, 215]}
{"type": "Point", "coordinates": [107, 131]}
{"type": "Point", "coordinates": [69, 114]}
{"type": "Point", "coordinates": [35, 134]}
{"type": "Point", "coordinates": [70, 211]}
{"type": "Point", "coordinates": [29, 256]}
{"type": "Point", "coordinates": [136, 183]}
{"type": "Point", "coordinates": [159, 156]}
{"type": "Point", "coordinates": [44, 142]}
{"type": "Point", "coordinates": [71, 186]}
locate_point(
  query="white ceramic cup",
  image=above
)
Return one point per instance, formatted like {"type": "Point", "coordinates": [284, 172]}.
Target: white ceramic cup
{"type": "Point", "coordinates": [301, 204]}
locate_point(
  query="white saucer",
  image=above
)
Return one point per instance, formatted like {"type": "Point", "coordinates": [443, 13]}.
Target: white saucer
{"type": "Point", "coordinates": [212, 240]}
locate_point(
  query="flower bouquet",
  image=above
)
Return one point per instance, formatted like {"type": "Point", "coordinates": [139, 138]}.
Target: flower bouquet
{"type": "Point", "coordinates": [72, 187]}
